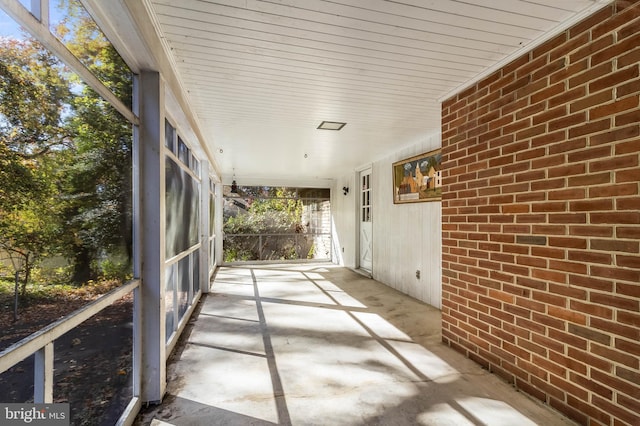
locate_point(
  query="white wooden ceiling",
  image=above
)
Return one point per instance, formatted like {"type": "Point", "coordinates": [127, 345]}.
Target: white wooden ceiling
{"type": "Point", "coordinates": [262, 74]}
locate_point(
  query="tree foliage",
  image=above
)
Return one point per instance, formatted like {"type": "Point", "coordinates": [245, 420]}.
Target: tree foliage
{"type": "Point", "coordinates": [97, 185]}
{"type": "Point", "coordinates": [65, 153]}
{"type": "Point", "coordinates": [275, 213]}
{"type": "Point", "coordinates": [33, 97]}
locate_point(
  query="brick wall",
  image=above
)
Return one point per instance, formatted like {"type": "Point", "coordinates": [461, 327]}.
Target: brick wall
{"type": "Point", "coordinates": [541, 220]}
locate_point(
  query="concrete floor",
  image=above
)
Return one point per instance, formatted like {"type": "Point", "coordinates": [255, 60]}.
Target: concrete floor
{"type": "Point", "coordinates": [322, 345]}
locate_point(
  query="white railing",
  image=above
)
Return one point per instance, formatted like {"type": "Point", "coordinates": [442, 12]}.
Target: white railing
{"type": "Point", "coordinates": [40, 343]}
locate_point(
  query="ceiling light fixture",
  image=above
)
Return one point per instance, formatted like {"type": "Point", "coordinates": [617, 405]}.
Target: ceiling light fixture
{"type": "Point", "coordinates": [234, 185]}
{"type": "Point", "coordinates": [331, 125]}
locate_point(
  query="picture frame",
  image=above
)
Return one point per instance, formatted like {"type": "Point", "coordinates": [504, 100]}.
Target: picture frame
{"type": "Point", "coordinates": [418, 179]}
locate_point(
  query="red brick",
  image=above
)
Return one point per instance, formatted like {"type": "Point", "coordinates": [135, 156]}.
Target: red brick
{"type": "Point", "coordinates": [591, 385]}
{"type": "Point", "coordinates": [614, 355]}
{"type": "Point", "coordinates": [616, 107]}
{"type": "Point", "coordinates": [569, 46]}
{"type": "Point", "coordinates": [574, 267]}
{"type": "Point", "coordinates": [531, 218]}
{"type": "Point", "coordinates": [627, 346]}
{"type": "Point", "coordinates": [548, 161]}
{"type": "Point", "coordinates": [615, 245]}
{"type": "Point", "coordinates": [591, 309]}
{"type": "Point", "coordinates": [615, 273]}
{"type": "Point", "coordinates": [567, 121]}
{"type": "Point", "coordinates": [613, 79]}
{"type": "Point", "coordinates": [575, 183]}
{"type": "Point", "coordinates": [616, 218]}
{"type": "Point", "coordinates": [591, 205]}
{"type": "Point", "coordinates": [593, 100]}
{"type": "Point", "coordinates": [615, 410]}
{"type": "Point", "coordinates": [571, 340]}
{"type": "Point", "coordinates": [567, 194]}
{"type": "Point", "coordinates": [591, 48]}
{"type": "Point", "coordinates": [614, 191]}
{"type": "Point", "coordinates": [627, 147]}
{"type": "Point", "coordinates": [578, 243]}
{"type": "Point", "coordinates": [628, 232]}
{"type": "Point", "coordinates": [590, 75]}
{"type": "Point", "coordinates": [569, 71]}
{"type": "Point", "coordinates": [633, 57]}
{"type": "Point", "coordinates": [629, 318]}
{"type": "Point", "coordinates": [591, 283]}
{"type": "Point", "coordinates": [615, 328]}
{"type": "Point", "coordinates": [595, 414]}
{"type": "Point", "coordinates": [590, 153]}
{"type": "Point", "coordinates": [556, 206]}
{"type": "Point", "coordinates": [591, 231]}
{"type": "Point", "coordinates": [628, 289]}
{"type": "Point", "coordinates": [585, 25]}
{"type": "Point", "coordinates": [531, 110]}
{"type": "Point", "coordinates": [630, 88]}
{"type": "Point", "coordinates": [568, 315]}
{"type": "Point", "coordinates": [580, 354]}
{"type": "Point", "coordinates": [632, 175]}
{"type": "Point", "coordinates": [632, 404]}
{"type": "Point", "coordinates": [628, 132]}
{"type": "Point", "coordinates": [550, 91]}
{"type": "Point", "coordinates": [619, 48]}
{"type": "Point", "coordinates": [628, 118]}
{"type": "Point", "coordinates": [566, 145]}
{"type": "Point", "coordinates": [566, 409]}
{"type": "Point", "coordinates": [549, 229]}
{"type": "Point", "coordinates": [567, 170]}
{"type": "Point", "coordinates": [628, 261]}
{"type": "Point", "coordinates": [549, 45]}
{"type": "Point", "coordinates": [547, 184]}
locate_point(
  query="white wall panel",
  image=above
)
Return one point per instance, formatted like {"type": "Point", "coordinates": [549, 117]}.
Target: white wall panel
{"type": "Point", "coordinates": [406, 237]}
{"type": "Point", "coordinates": [344, 221]}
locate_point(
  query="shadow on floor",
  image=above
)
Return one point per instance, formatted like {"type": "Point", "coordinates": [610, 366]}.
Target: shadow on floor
{"type": "Point", "coordinates": [319, 344]}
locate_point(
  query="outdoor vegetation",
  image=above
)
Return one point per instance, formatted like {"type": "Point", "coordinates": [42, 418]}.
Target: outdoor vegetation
{"type": "Point", "coordinates": [65, 210]}
{"type": "Point", "coordinates": [275, 223]}
{"type": "Point", "coordinates": [65, 158]}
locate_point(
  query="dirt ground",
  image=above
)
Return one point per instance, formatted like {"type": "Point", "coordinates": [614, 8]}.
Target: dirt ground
{"type": "Point", "coordinates": [92, 363]}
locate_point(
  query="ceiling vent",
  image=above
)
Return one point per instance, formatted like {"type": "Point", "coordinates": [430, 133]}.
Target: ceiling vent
{"type": "Point", "coordinates": [331, 125]}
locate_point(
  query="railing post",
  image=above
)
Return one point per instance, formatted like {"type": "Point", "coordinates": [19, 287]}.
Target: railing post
{"type": "Point", "coordinates": [43, 375]}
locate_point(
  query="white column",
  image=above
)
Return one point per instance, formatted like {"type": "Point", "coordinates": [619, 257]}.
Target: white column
{"type": "Point", "coordinates": [218, 221]}
{"type": "Point", "coordinates": [204, 226]}
{"type": "Point", "coordinates": [152, 233]}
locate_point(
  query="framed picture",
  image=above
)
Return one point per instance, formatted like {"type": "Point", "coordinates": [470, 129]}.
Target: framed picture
{"type": "Point", "coordinates": [418, 178]}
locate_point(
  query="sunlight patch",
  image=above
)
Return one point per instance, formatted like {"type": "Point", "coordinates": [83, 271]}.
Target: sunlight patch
{"type": "Point", "coordinates": [443, 415]}
{"type": "Point", "coordinates": [496, 413]}
{"type": "Point", "coordinates": [428, 364]}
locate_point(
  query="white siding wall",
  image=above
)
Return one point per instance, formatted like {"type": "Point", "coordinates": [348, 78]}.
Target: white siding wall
{"type": "Point", "coordinates": [343, 208]}
{"type": "Point", "coordinates": [406, 237]}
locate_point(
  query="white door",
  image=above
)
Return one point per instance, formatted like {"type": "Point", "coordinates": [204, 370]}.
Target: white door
{"type": "Point", "coordinates": [366, 237]}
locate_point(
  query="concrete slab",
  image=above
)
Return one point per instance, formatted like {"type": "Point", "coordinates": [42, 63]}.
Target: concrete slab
{"type": "Point", "coordinates": [322, 345]}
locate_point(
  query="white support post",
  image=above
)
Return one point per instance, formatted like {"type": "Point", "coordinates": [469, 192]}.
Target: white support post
{"type": "Point", "coordinates": [218, 221]}
{"type": "Point", "coordinates": [43, 375]}
{"type": "Point", "coordinates": [137, 244]}
{"type": "Point", "coordinates": [204, 226]}
{"type": "Point", "coordinates": [152, 232]}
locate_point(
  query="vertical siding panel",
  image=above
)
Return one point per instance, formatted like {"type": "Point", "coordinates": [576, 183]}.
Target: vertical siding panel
{"type": "Point", "coordinates": [406, 237]}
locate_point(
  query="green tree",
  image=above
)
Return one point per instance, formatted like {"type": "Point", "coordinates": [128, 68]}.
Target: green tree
{"type": "Point", "coordinates": [33, 100]}
{"type": "Point", "coordinates": [98, 185]}
{"type": "Point", "coordinates": [274, 210]}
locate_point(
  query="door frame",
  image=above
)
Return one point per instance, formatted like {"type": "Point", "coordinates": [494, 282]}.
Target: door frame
{"type": "Point", "coordinates": [358, 175]}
